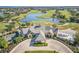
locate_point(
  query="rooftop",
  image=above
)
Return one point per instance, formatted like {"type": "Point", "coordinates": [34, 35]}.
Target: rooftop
{"type": "Point", "coordinates": [68, 31]}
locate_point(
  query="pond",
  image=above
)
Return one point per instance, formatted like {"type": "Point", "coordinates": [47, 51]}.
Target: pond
{"type": "Point", "coordinates": [35, 17]}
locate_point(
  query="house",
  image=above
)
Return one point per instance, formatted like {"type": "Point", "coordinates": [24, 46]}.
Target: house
{"type": "Point", "coordinates": [31, 32]}
{"type": "Point", "coordinates": [9, 37]}
{"type": "Point", "coordinates": [40, 37]}
{"type": "Point", "coordinates": [47, 30]}
{"type": "Point", "coordinates": [49, 34]}
{"type": "Point", "coordinates": [26, 32]}
{"type": "Point", "coordinates": [68, 34]}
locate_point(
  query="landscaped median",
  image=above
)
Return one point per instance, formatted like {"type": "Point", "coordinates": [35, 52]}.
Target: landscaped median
{"type": "Point", "coordinates": [39, 44]}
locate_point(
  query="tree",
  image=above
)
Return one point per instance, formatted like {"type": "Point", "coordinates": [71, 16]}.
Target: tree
{"type": "Point", "coordinates": [3, 43]}
{"type": "Point", "coordinates": [77, 37]}
{"type": "Point", "coordinates": [9, 27]}
{"type": "Point", "coordinates": [54, 25]}
{"type": "Point", "coordinates": [53, 16]}
{"type": "Point", "coordinates": [28, 24]}
{"type": "Point", "coordinates": [18, 39]}
{"type": "Point", "coordinates": [43, 10]}
{"type": "Point", "coordinates": [23, 24]}
{"type": "Point", "coordinates": [72, 19]}
{"type": "Point", "coordinates": [62, 16]}
{"type": "Point", "coordinates": [2, 18]}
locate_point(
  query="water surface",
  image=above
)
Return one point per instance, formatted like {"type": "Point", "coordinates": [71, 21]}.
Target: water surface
{"type": "Point", "coordinates": [35, 17]}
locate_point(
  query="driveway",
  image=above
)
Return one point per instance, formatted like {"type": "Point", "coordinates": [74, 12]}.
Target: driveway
{"type": "Point", "coordinates": [52, 45]}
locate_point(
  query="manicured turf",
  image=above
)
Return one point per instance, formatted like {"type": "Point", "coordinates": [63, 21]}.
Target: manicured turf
{"type": "Point", "coordinates": [41, 51]}
{"type": "Point", "coordinates": [42, 22]}
{"type": "Point", "coordinates": [34, 11]}
{"type": "Point", "coordinates": [19, 17]}
{"type": "Point", "coordinates": [66, 13]}
{"type": "Point", "coordinates": [48, 14]}
{"type": "Point", "coordinates": [39, 44]}
{"type": "Point", "coordinates": [74, 26]}
{"type": "Point", "coordinates": [2, 26]}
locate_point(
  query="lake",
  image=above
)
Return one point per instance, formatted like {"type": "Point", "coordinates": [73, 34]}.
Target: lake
{"type": "Point", "coordinates": [35, 17]}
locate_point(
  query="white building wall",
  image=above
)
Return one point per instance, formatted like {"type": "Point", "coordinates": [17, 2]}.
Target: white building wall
{"type": "Point", "coordinates": [64, 35]}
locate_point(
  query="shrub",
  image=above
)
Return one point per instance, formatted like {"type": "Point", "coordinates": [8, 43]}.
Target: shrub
{"type": "Point", "coordinates": [40, 44]}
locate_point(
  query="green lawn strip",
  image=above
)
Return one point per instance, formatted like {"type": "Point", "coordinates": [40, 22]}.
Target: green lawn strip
{"type": "Point", "coordinates": [39, 21]}
{"type": "Point", "coordinates": [41, 51]}
{"type": "Point", "coordinates": [39, 44]}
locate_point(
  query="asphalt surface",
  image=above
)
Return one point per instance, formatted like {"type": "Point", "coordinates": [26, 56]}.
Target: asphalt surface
{"type": "Point", "coordinates": [52, 45]}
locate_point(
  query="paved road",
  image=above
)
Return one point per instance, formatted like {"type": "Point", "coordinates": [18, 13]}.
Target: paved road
{"type": "Point", "coordinates": [52, 45]}
{"type": "Point", "coordinates": [58, 46]}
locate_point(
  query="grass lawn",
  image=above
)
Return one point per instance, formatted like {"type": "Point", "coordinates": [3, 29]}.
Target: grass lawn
{"type": "Point", "coordinates": [35, 11]}
{"type": "Point", "coordinates": [42, 22]}
{"type": "Point", "coordinates": [19, 17]}
{"type": "Point", "coordinates": [74, 26]}
{"type": "Point", "coordinates": [2, 26]}
{"type": "Point", "coordinates": [39, 44]}
{"type": "Point", "coordinates": [48, 14]}
{"type": "Point", "coordinates": [65, 12]}
{"type": "Point", "coordinates": [41, 51]}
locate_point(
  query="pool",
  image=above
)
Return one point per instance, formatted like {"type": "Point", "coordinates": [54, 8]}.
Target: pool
{"type": "Point", "coordinates": [35, 17]}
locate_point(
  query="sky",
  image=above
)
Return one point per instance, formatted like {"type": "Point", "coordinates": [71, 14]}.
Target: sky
{"type": "Point", "coordinates": [39, 2]}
